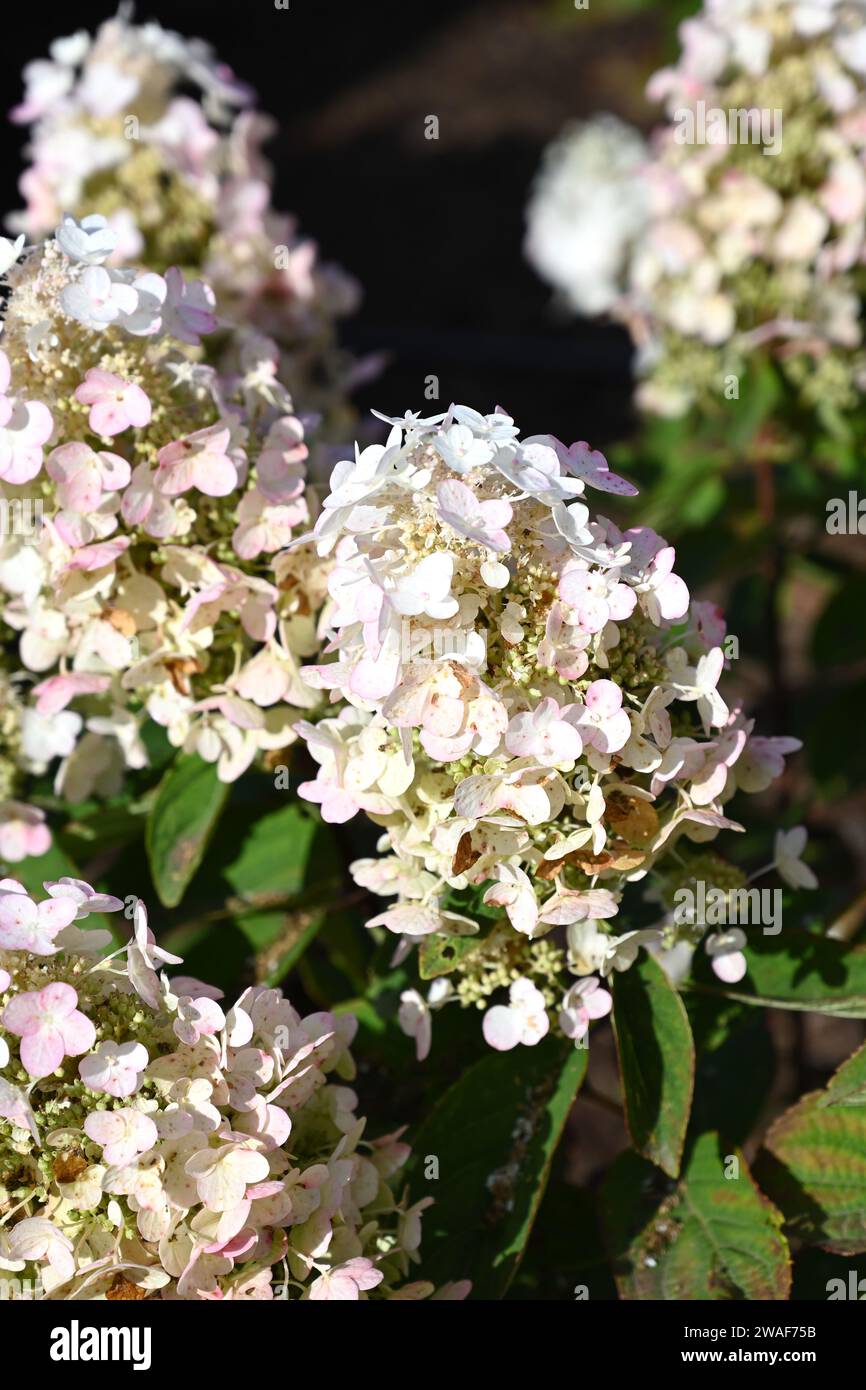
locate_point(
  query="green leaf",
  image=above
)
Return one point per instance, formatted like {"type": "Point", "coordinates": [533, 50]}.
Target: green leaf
{"type": "Point", "coordinates": [279, 939]}
{"type": "Point", "coordinates": [105, 828]}
{"type": "Point", "coordinates": [798, 970]}
{"type": "Point", "coordinates": [349, 948]}
{"type": "Point", "coordinates": [493, 1133]}
{"type": "Point", "coordinates": [707, 1237]}
{"type": "Point", "coordinates": [276, 861]}
{"type": "Point", "coordinates": [274, 856]}
{"type": "Point", "coordinates": [848, 1085]}
{"type": "Point", "coordinates": [759, 392]}
{"type": "Point", "coordinates": [440, 954]}
{"type": "Point", "coordinates": [182, 819]}
{"type": "Point", "coordinates": [565, 1259]}
{"type": "Point", "coordinates": [813, 1165]}
{"type": "Point", "coordinates": [656, 1061]}
{"type": "Point", "coordinates": [703, 501]}
{"type": "Point", "coordinates": [736, 1064]}
{"type": "Point", "coordinates": [214, 951]}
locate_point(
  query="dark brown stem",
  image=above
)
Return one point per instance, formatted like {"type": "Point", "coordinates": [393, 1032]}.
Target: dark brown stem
{"type": "Point", "coordinates": [605, 1102]}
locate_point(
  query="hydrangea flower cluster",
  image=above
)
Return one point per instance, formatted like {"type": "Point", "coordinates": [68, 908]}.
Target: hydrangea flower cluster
{"type": "Point", "coordinates": [589, 205]}
{"type": "Point", "coordinates": [182, 181]}
{"type": "Point", "coordinates": [528, 706]}
{"type": "Point", "coordinates": [153, 581]}
{"type": "Point", "coordinates": [154, 1143]}
{"type": "Point", "coordinates": [741, 228]}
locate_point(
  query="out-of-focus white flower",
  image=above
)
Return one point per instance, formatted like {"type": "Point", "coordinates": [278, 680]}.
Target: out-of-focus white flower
{"type": "Point", "coordinates": [789, 847]}
{"type": "Point", "coordinates": [675, 238]}
{"type": "Point", "coordinates": [588, 207]}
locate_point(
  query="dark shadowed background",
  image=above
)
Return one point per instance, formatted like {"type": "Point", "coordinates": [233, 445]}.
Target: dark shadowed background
{"type": "Point", "coordinates": [431, 228]}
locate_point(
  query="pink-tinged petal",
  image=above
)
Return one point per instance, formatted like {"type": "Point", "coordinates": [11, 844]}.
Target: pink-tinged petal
{"type": "Point", "coordinates": [210, 1016]}
{"type": "Point", "coordinates": [373, 679]}
{"type": "Point", "coordinates": [244, 1240]}
{"type": "Point", "coordinates": [137, 407]}
{"type": "Point", "coordinates": [621, 601]}
{"type": "Point", "coordinates": [498, 541]}
{"type": "Point", "coordinates": [103, 1126]}
{"type": "Point", "coordinates": [673, 597]}
{"type": "Point", "coordinates": [22, 1013]}
{"type": "Point", "coordinates": [57, 912]}
{"type": "Point", "coordinates": [39, 425]}
{"type": "Point", "coordinates": [616, 732]}
{"type": "Point", "coordinates": [502, 1028]}
{"type": "Point", "coordinates": [598, 1003]}
{"type": "Point", "coordinates": [96, 557]}
{"type": "Point", "coordinates": [173, 480]}
{"type": "Point", "coordinates": [75, 469]}
{"type": "Point", "coordinates": [96, 384]}
{"type": "Point", "coordinates": [604, 698]}
{"type": "Point", "coordinates": [497, 513]}
{"type": "Point", "coordinates": [60, 998]}
{"type": "Point", "coordinates": [55, 693]}
{"type": "Point", "coordinates": [340, 805]}
{"type": "Point", "coordinates": [594, 614]}
{"type": "Point", "coordinates": [566, 744]}
{"type": "Point", "coordinates": [444, 716]}
{"type": "Point", "coordinates": [710, 668]}
{"type": "Point", "coordinates": [611, 482]}
{"type": "Point", "coordinates": [456, 497]}
{"type": "Point", "coordinates": [42, 1052]}
{"type": "Point", "coordinates": [195, 989]}
{"type": "Point", "coordinates": [521, 738]}
{"type": "Point", "coordinates": [592, 467]}
{"type": "Point", "coordinates": [731, 967]}
{"type": "Point", "coordinates": [215, 475]}
{"type": "Point", "coordinates": [108, 417]}
{"type": "Point", "coordinates": [17, 910]}
{"type": "Point", "coordinates": [15, 1106]}
{"type": "Point", "coordinates": [279, 1125]}
{"type": "Point", "coordinates": [20, 837]}
{"type": "Point", "coordinates": [663, 562]}
{"type": "Point", "coordinates": [572, 587]}
{"type": "Point", "coordinates": [24, 467]}
{"type": "Point", "coordinates": [78, 1033]}
{"type": "Point", "coordinates": [408, 919]}
{"type": "Point", "coordinates": [29, 426]}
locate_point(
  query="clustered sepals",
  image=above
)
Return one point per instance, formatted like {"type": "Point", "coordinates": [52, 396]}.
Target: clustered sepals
{"type": "Point", "coordinates": [738, 229]}
{"type": "Point", "coordinates": [527, 704]}
{"type": "Point", "coordinates": [153, 131]}
{"type": "Point", "coordinates": [154, 581]}
{"type": "Point", "coordinates": [154, 1143]}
